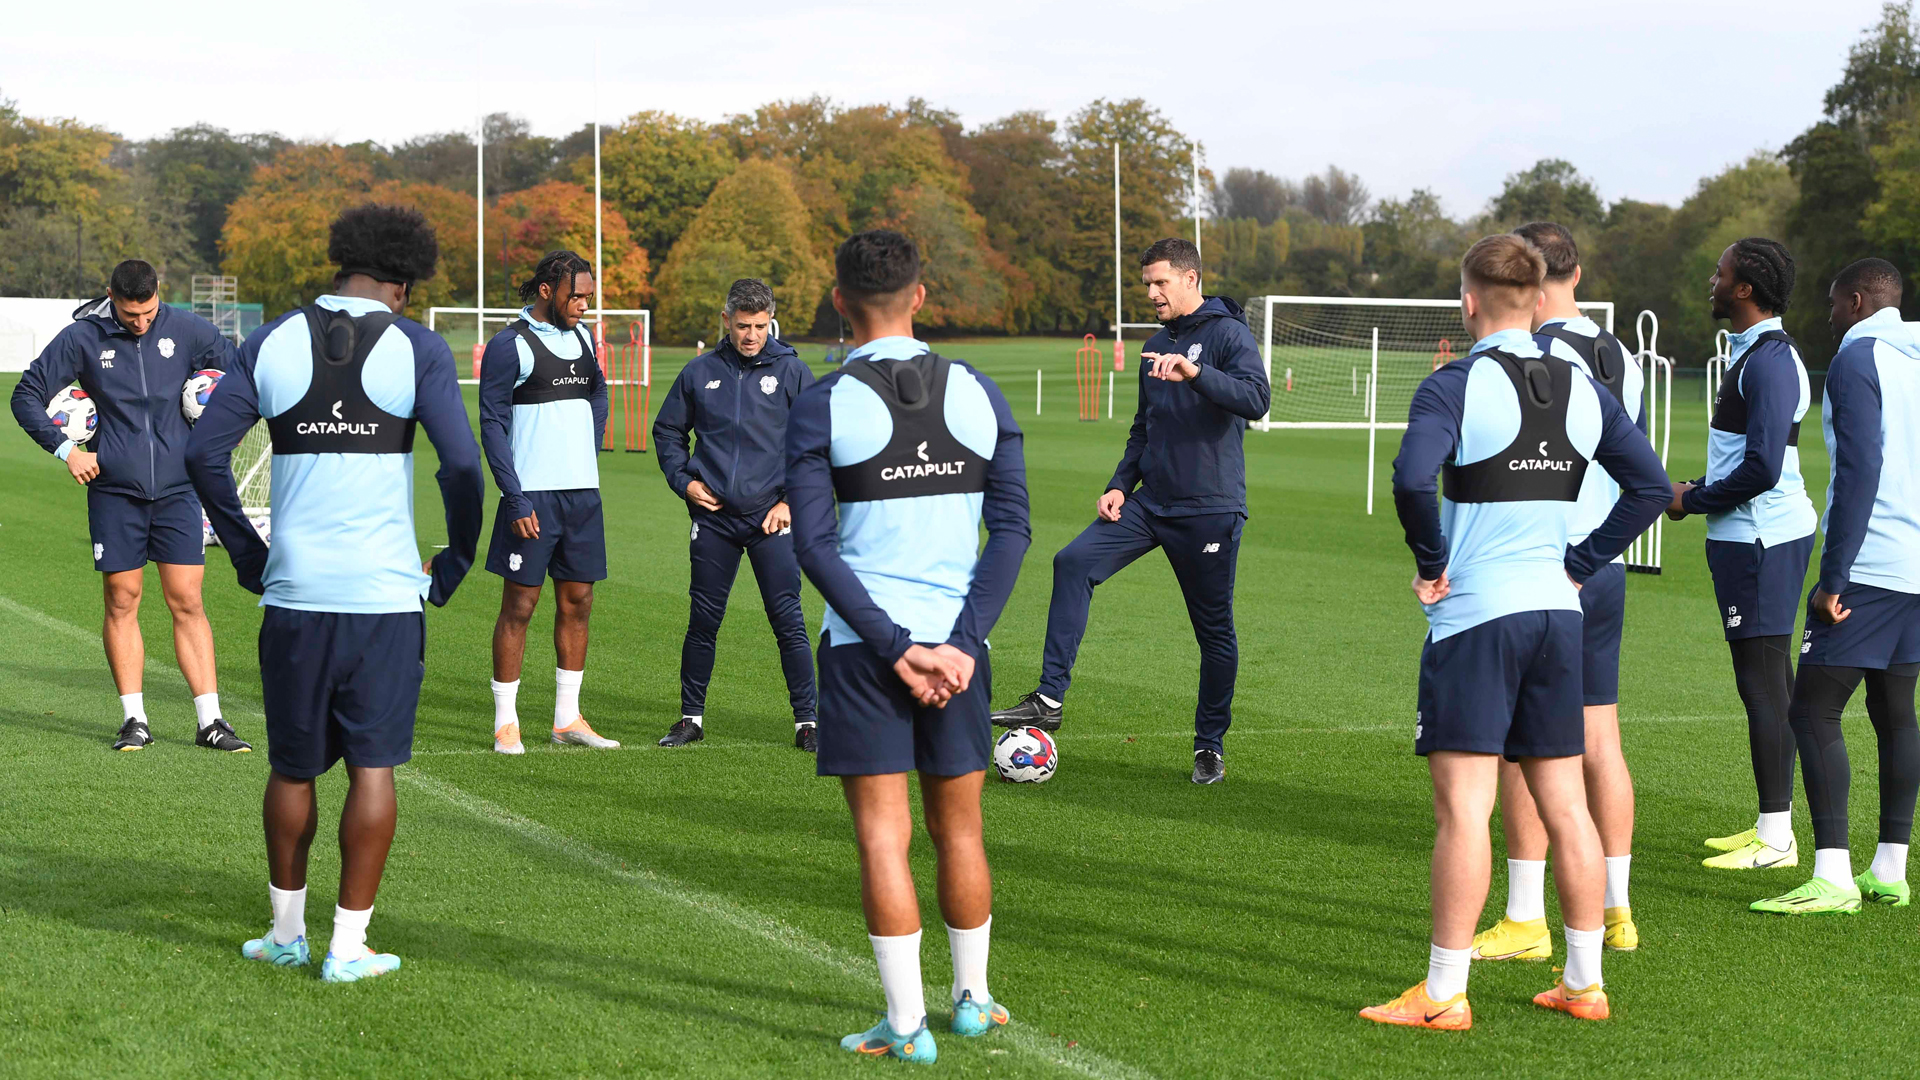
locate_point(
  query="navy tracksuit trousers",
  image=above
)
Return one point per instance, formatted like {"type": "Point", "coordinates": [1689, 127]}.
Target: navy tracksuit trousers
{"type": "Point", "coordinates": [1204, 550]}
{"type": "Point", "coordinates": [715, 545]}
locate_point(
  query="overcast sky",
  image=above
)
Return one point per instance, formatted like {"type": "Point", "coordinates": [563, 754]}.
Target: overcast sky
{"type": "Point", "coordinates": [1645, 96]}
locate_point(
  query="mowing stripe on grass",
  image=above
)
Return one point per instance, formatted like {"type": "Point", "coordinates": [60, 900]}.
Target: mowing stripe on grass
{"type": "Point", "coordinates": [741, 917]}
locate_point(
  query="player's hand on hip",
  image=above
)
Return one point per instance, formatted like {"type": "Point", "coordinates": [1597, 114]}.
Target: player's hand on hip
{"type": "Point", "coordinates": [527, 528]}
{"type": "Point", "coordinates": [1576, 585]}
{"type": "Point", "coordinates": [702, 496]}
{"type": "Point", "coordinates": [82, 465]}
{"type": "Point", "coordinates": [928, 675]}
{"type": "Point", "coordinates": [1110, 504]}
{"type": "Point", "coordinates": [427, 567]}
{"type": "Point", "coordinates": [962, 663]}
{"type": "Point", "coordinates": [780, 517]}
{"type": "Point", "coordinates": [1677, 509]}
{"type": "Point", "coordinates": [1431, 592]}
{"type": "Point", "coordinates": [1826, 607]}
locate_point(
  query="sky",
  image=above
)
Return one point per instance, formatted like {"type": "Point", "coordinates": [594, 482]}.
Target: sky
{"type": "Point", "coordinates": [1644, 96]}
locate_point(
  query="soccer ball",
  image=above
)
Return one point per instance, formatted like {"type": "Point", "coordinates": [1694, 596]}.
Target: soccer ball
{"type": "Point", "coordinates": [72, 412]}
{"type": "Point", "coordinates": [194, 395]}
{"type": "Point", "coordinates": [1025, 755]}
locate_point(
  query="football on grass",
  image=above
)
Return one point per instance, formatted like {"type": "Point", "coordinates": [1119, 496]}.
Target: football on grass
{"type": "Point", "coordinates": [1025, 755]}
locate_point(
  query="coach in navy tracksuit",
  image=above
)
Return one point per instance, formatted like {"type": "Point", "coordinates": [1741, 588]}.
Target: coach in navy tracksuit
{"type": "Point", "coordinates": [732, 403]}
{"type": "Point", "coordinates": [1181, 486]}
{"type": "Point", "coordinates": [132, 355]}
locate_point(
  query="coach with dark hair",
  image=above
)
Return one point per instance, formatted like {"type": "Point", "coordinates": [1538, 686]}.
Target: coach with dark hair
{"type": "Point", "coordinates": [133, 354]}
{"type": "Point", "coordinates": [722, 436]}
{"type": "Point", "coordinates": [1181, 485]}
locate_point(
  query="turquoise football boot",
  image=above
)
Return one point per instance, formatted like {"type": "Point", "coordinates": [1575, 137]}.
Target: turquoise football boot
{"type": "Point", "coordinates": [370, 964]}
{"type": "Point", "coordinates": [265, 948]}
{"type": "Point", "coordinates": [881, 1040]}
{"type": "Point", "coordinates": [972, 1017]}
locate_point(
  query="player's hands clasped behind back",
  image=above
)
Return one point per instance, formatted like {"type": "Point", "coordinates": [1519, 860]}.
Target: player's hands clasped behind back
{"type": "Point", "coordinates": [780, 517]}
{"type": "Point", "coordinates": [83, 466]}
{"type": "Point", "coordinates": [1171, 367]}
{"type": "Point", "coordinates": [702, 496]}
{"type": "Point", "coordinates": [1109, 505]}
{"type": "Point", "coordinates": [934, 675]}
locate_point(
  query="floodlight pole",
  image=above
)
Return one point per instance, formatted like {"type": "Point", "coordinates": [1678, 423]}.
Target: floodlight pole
{"type": "Point", "coordinates": [599, 288]}
{"type": "Point", "coordinates": [1195, 154]}
{"type": "Point", "coordinates": [480, 231]}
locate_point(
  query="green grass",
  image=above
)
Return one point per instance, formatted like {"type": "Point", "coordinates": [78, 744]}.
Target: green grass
{"type": "Point", "coordinates": [695, 912]}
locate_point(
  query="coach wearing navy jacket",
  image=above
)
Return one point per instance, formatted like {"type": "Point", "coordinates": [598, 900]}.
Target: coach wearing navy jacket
{"type": "Point", "coordinates": [732, 404]}
{"type": "Point", "coordinates": [133, 355]}
{"type": "Point", "coordinates": [1181, 486]}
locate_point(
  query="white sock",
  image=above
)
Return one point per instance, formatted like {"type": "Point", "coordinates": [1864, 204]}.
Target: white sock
{"type": "Point", "coordinates": [1446, 971]}
{"type": "Point", "coordinates": [1890, 863]}
{"type": "Point", "coordinates": [1583, 958]}
{"type": "Point", "coordinates": [1617, 867]}
{"type": "Point", "coordinates": [506, 703]}
{"type": "Point", "coordinates": [206, 708]}
{"type": "Point", "coordinates": [1526, 889]}
{"type": "Point", "coordinates": [1049, 702]}
{"type": "Point", "coordinates": [349, 933]}
{"type": "Point", "coordinates": [566, 697]}
{"type": "Point", "coordinates": [133, 707]}
{"type": "Point", "coordinates": [289, 914]}
{"type": "Point", "coordinates": [970, 960]}
{"type": "Point", "coordinates": [899, 960]}
{"type": "Point", "coordinates": [1776, 830]}
{"type": "Point", "coordinates": [696, 720]}
{"type": "Point", "coordinates": [1834, 864]}
{"type": "Point", "coordinates": [796, 723]}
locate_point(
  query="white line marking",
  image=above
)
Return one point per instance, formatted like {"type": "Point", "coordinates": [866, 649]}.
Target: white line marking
{"type": "Point", "coordinates": [742, 917]}
{"type": "Point", "coordinates": [1075, 1059]}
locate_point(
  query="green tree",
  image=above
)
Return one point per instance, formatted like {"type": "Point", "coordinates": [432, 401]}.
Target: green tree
{"type": "Point", "coordinates": [658, 169]}
{"type": "Point", "coordinates": [205, 169]}
{"type": "Point", "coordinates": [1553, 190]}
{"type": "Point", "coordinates": [1752, 198]}
{"type": "Point", "coordinates": [1155, 177]}
{"type": "Point", "coordinates": [1015, 165]}
{"type": "Point", "coordinates": [1413, 248]}
{"type": "Point", "coordinates": [1631, 260]}
{"type": "Point", "coordinates": [753, 225]}
{"type": "Point", "coordinates": [1244, 256]}
{"type": "Point", "coordinates": [965, 278]}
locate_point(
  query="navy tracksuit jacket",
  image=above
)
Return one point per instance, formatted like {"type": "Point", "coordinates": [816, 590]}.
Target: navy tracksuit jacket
{"type": "Point", "coordinates": [734, 410]}
{"type": "Point", "coordinates": [135, 383]}
{"type": "Point", "coordinates": [1185, 476]}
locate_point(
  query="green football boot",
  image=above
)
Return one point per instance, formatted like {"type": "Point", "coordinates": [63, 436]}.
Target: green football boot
{"type": "Point", "coordinates": [1817, 897]}
{"type": "Point", "coordinates": [1875, 891]}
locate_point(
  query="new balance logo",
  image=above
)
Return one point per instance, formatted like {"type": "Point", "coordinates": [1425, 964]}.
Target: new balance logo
{"type": "Point", "coordinates": [1210, 549]}
{"type": "Point", "coordinates": [714, 385]}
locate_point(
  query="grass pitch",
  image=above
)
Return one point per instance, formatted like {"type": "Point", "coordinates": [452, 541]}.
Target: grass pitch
{"type": "Point", "coordinates": [695, 912]}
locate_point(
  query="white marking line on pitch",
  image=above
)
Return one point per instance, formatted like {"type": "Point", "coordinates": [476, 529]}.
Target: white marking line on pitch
{"type": "Point", "coordinates": [740, 916]}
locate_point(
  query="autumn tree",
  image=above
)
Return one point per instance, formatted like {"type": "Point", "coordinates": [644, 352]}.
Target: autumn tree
{"type": "Point", "coordinates": [753, 225]}
{"type": "Point", "coordinates": [523, 226]}
{"type": "Point", "coordinates": [658, 169]}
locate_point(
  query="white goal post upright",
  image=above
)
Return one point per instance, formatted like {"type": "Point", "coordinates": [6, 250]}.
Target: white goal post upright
{"type": "Point", "coordinates": [1388, 345]}
{"type": "Point", "coordinates": [597, 316]}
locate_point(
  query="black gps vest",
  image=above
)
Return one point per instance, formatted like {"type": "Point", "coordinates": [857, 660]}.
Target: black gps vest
{"type": "Point", "coordinates": [1605, 356]}
{"type": "Point", "coordinates": [1730, 408]}
{"type": "Point", "coordinates": [336, 416]}
{"type": "Point", "coordinates": [1541, 464]}
{"type": "Point", "coordinates": [552, 378]}
{"type": "Point", "coordinates": [922, 457]}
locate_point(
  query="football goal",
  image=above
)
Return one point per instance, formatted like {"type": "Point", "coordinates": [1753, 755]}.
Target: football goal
{"type": "Point", "coordinates": [1351, 363]}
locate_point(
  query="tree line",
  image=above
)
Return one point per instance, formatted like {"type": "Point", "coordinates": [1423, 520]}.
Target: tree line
{"type": "Point", "coordinates": [1014, 215]}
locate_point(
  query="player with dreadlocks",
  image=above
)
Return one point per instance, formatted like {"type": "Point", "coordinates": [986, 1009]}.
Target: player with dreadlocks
{"type": "Point", "coordinates": [543, 413]}
{"type": "Point", "coordinates": [1760, 527]}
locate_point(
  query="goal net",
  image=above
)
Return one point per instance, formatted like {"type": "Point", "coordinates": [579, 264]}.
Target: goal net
{"type": "Point", "coordinates": [1349, 363]}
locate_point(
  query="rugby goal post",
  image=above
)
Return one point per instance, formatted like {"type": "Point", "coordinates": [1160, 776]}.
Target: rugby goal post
{"type": "Point", "coordinates": [1386, 347]}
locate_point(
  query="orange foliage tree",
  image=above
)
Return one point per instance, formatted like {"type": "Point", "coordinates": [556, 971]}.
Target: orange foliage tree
{"type": "Point", "coordinates": [525, 225]}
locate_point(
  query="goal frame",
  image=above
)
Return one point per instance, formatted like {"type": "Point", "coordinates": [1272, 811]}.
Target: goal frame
{"type": "Point", "coordinates": [1644, 555]}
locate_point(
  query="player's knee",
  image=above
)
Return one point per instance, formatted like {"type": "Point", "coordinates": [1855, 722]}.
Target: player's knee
{"type": "Point", "coordinates": [122, 600]}
{"type": "Point", "coordinates": [575, 603]}
{"type": "Point", "coordinates": [1073, 561]}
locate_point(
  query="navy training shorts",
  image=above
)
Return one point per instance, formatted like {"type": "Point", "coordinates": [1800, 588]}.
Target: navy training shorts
{"type": "Point", "coordinates": [869, 725]}
{"type": "Point", "coordinates": [1757, 587]}
{"type": "Point", "coordinates": [129, 532]}
{"type": "Point", "coordinates": [1603, 615]}
{"type": "Point", "coordinates": [1882, 630]}
{"type": "Point", "coordinates": [340, 685]}
{"type": "Point", "coordinates": [1510, 686]}
{"type": "Point", "coordinates": [572, 545]}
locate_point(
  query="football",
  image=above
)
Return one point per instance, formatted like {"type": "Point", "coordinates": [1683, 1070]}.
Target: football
{"type": "Point", "coordinates": [71, 410]}
{"type": "Point", "coordinates": [1025, 755]}
{"type": "Point", "coordinates": [198, 391]}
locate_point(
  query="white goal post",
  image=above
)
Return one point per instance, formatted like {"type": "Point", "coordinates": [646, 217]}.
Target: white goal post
{"type": "Point", "coordinates": [598, 316]}
{"type": "Point", "coordinates": [1388, 346]}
